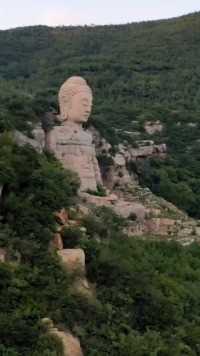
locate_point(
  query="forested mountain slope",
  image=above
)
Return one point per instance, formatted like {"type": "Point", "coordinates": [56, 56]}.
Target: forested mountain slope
{"type": "Point", "coordinates": [146, 293]}
{"type": "Point", "coordinates": [139, 72]}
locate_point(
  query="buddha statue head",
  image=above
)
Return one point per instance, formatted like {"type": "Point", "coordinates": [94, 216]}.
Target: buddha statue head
{"type": "Point", "coordinates": [75, 100]}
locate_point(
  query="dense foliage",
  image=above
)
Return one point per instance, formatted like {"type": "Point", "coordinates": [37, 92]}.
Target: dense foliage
{"type": "Point", "coordinates": [147, 293]}
{"type": "Point", "coordinates": [34, 187]}
{"type": "Point", "coordinates": [148, 299]}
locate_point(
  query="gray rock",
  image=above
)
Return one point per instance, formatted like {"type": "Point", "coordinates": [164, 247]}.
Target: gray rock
{"type": "Point", "coordinates": [37, 142]}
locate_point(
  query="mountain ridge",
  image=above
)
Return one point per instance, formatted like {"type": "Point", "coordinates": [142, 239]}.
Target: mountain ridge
{"type": "Point", "coordinates": [106, 25]}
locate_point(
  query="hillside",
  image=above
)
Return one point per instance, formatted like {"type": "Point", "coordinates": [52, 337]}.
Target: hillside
{"type": "Point", "coordinates": [139, 72]}
{"type": "Point", "coordinates": [129, 296]}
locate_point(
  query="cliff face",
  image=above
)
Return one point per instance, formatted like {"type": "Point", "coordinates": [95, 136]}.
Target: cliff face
{"type": "Point", "coordinates": [146, 213]}
{"type": "Point", "coordinates": [152, 215]}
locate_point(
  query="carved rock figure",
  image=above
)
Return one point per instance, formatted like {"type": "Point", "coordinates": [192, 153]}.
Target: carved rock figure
{"type": "Point", "coordinates": [70, 143]}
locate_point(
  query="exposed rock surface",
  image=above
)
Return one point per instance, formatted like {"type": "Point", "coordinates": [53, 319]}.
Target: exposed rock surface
{"type": "Point", "coordinates": [148, 150]}
{"type": "Point", "coordinates": [38, 142]}
{"type": "Point", "coordinates": [152, 127]}
{"type": "Point", "coordinates": [73, 260]}
{"type": "Point", "coordinates": [39, 136]}
{"type": "Point", "coordinates": [161, 226]}
{"type": "Point", "coordinates": [71, 344]}
{"type": "Point", "coordinates": [147, 214]}
{"type": "Point", "coordinates": [128, 209]}
{"type": "Point", "coordinates": [116, 174]}
{"type": "Point", "coordinates": [61, 216]}
{"type": "Point", "coordinates": [57, 242]}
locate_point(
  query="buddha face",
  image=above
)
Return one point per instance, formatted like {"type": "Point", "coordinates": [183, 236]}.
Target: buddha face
{"type": "Point", "coordinates": [80, 107]}
{"type": "Point", "coordinates": [75, 100]}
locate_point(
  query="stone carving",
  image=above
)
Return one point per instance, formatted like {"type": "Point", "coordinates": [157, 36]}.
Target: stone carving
{"type": "Point", "coordinates": [70, 143]}
{"type": "Point", "coordinates": [75, 100]}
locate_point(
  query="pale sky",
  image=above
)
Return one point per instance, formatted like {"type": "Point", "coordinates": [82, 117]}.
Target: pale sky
{"type": "Point", "coordinates": [14, 13]}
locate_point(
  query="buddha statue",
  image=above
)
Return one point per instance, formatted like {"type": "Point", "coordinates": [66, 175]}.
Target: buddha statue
{"type": "Point", "coordinates": [69, 142]}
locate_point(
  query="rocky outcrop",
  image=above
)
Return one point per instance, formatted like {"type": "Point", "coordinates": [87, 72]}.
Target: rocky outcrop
{"type": "Point", "coordinates": [129, 209]}
{"type": "Point", "coordinates": [147, 149]}
{"type": "Point", "coordinates": [161, 226]}
{"type": "Point", "coordinates": [37, 142]}
{"type": "Point", "coordinates": [57, 242]}
{"type": "Point", "coordinates": [73, 260]}
{"type": "Point", "coordinates": [115, 167]}
{"type": "Point", "coordinates": [62, 216]}
{"type": "Point", "coordinates": [71, 344]}
{"type": "Point", "coordinates": [152, 127]}
{"type": "Point", "coordinates": [39, 136]}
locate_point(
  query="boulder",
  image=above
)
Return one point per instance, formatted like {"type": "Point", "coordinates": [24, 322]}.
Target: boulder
{"type": "Point", "coordinates": [39, 136]}
{"type": "Point", "coordinates": [126, 209]}
{"type": "Point", "coordinates": [82, 287]}
{"type": "Point", "coordinates": [57, 242]}
{"type": "Point", "coordinates": [22, 140]}
{"type": "Point", "coordinates": [71, 344]}
{"type": "Point", "coordinates": [148, 149]}
{"type": "Point", "coordinates": [161, 226]}
{"type": "Point", "coordinates": [152, 127]}
{"type": "Point", "coordinates": [61, 216]}
{"type": "Point", "coordinates": [99, 201]}
{"type": "Point", "coordinates": [73, 260]}
{"type": "Point", "coordinates": [119, 160]}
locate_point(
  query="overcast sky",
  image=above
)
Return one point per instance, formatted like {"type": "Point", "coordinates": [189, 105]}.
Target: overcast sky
{"type": "Point", "coordinates": [14, 13]}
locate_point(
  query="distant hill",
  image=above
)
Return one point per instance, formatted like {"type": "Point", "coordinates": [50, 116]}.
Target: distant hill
{"type": "Point", "coordinates": [143, 71]}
